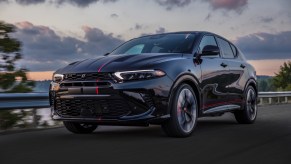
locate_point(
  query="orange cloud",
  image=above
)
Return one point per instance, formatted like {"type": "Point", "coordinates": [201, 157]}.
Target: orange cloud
{"type": "Point", "coordinates": [267, 67]}
{"type": "Point", "coordinates": [38, 76]}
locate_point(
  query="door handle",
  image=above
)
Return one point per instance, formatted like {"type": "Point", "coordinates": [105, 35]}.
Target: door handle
{"type": "Point", "coordinates": [242, 66]}
{"type": "Point", "coordinates": [223, 65]}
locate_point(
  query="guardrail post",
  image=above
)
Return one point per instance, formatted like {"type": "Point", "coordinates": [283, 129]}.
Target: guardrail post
{"type": "Point", "coordinates": [270, 100]}
{"type": "Point", "coordinates": [261, 101]}
{"type": "Point", "coordinates": [34, 118]}
{"type": "Point", "coordinates": [286, 99]}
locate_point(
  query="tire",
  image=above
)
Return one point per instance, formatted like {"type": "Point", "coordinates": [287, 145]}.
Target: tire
{"type": "Point", "coordinates": [80, 128]}
{"type": "Point", "coordinates": [183, 111]}
{"type": "Point", "coordinates": [248, 114]}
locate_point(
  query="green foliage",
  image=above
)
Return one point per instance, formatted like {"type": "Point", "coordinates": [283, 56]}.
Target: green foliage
{"type": "Point", "coordinates": [9, 47]}
{"type": "Point", "coordinates": [288, 88]}
{"type": "Point", "coordinates": [10, 119]}
{"type": "Point", "coordinates": [265, 84]}
{"type": "Point", "coordinates": [282, 80]}
{"type": "Point", "coordinates": [11, 78]}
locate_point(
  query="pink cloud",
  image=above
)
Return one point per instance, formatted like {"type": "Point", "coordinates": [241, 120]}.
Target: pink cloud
{"type": "Point", "coordinates": [24, 24]}
{"type": "Point", "coordinates": [237, 5]}
{"type": "Point", "coordinates": [86, 28]}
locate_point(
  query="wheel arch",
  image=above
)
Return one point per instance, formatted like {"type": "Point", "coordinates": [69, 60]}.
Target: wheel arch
{"type": "Point", "coordinates": [189, 79]}
{"type": "Point", "coordinates": [253, 83]}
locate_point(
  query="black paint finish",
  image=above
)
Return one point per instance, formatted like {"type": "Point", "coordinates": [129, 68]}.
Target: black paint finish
{"type": "Point", "coordinates": [219, 84]}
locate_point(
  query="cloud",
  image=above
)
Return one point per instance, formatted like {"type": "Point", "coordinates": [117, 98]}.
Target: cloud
{"type": "Point", "coordinates": [98, 41]}
{"type": "Point", "coordinates": [81, 3]}
{"type": "Point", "coordinates": [137, 27]}
{"type": "Point", "coordinates": [45, 50]}
{"type": "Point", "coordinates": [30, 2]}
{"type": "Point", "coordinates": [267, 19]}
{"type": "Point", "coordinates": [3, 1]}
{"type": "Point", "coordinates": [114, 15]}
{"type": "Point", "coordinates": [169, 4]}
{"type": "Point", "coordinates": [229, 5]}
{"type": "Point", "coordinates": [109, 1]}
{"type": "Point", "coordinates": [78, 3]}
{"type": "Point", "coordinates": [266, 46]}
{"type": "Point", "coordinates": [207, 18]}
{"type": "Point", "coordinates": [160, 30]}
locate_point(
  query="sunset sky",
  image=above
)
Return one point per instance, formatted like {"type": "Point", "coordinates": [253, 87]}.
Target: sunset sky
{"type": "Point", "coordinates": [55, 33]}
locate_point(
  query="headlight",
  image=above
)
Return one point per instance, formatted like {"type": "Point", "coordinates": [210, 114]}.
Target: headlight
{"type": "Point", "coordinates": [58, 78]}
{"type": "Point", "coordinates": [138, 75]}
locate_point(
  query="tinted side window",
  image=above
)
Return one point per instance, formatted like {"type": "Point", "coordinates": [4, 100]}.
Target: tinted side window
{"type": "Point", "coordinates": [135, 49]}
{"type": "Point", "coordinates": [225, 47]}
{"type": "Point", "coordinates": [207, 40]}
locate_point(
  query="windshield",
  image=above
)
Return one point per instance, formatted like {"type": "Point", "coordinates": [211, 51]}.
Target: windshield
{"type": "Point", "coordinates": [162, 43]}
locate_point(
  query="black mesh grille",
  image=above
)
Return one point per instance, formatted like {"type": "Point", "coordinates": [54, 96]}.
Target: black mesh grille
{"type": "Point", "coordinates": [85, 84]}
{"type": "Point", "coordinates": [87, 76]}
{"type": "Point", "coordinates": [91, 108]}
{"type": "Point", "coordinates": [51, 99]}
{"type": "Point", "coordinates": [148, 100]}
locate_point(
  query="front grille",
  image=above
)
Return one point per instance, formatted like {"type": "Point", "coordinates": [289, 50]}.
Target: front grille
{"type": "Point", "coordinates": [51, 98]}
{"type": "Point", "coordinates": [91, 108]}
{"type": "Point", "coordinates": [85, 84]}
{"type": "Point", "coordinates": [87, 76]}
{"type": "Point", "coordinates": [149, 101]}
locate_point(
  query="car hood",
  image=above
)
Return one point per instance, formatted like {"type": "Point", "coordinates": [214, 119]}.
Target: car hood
{"type": "Point", "coordinates": [113, 63]}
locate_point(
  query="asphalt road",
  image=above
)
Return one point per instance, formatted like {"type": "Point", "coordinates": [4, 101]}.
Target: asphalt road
{"type": "Point", "coordinates": [218, 140]}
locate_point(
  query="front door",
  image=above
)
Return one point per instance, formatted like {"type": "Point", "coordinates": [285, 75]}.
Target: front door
{"type": "Point", "coordinates": [213, 79]}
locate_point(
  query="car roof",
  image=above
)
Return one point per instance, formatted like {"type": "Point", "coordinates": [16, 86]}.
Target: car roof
{"type": "Point", "coordinates": [182, 32]}
{"type": "Point", "coordinates": [199, 33]}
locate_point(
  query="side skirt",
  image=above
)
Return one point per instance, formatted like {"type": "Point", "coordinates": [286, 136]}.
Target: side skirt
{"type": "Point", "coordinates": [221, 109]}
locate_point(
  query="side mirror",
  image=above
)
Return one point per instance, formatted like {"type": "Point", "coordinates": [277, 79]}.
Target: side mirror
{"type": "Point", "coordinates": [210, 50]}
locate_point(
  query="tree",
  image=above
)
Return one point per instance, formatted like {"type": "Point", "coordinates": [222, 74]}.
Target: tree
{"type": "Point", "coordinates": [282, 80]}
{"type": "Point", "coordinates": [12, 79]}
{"type": "Point", "coordinates": [270, 83]}
{"type": "Point", "coordinates": [263, 85]}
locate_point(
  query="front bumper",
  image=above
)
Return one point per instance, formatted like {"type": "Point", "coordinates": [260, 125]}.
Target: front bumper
{"type": "Point", "coordinates": [108, 102]}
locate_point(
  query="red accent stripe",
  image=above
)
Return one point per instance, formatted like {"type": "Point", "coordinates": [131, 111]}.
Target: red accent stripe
{"type": "Point", "coordinates": [221, 103]}
{"type": "Point", "coordinates": [97, 89]}
{"type": "Point", "coordinates": [102, 66]}
{"type": "Point", "coordinates": [99, 69]}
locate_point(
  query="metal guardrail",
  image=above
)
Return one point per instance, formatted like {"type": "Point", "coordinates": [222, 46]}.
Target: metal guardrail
{"type": "Point", "coordinates": [276, 95]}
{"type": "Point", "coordinates": [23, 100]}
{"type": "Point", "coordinates": [40, 100]}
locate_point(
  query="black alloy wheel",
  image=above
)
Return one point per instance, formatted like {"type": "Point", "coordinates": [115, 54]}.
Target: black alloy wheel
{"type": "Point", "coordinates": [249, 113]}
{"type": "Point", "coordinates": [183, 113]}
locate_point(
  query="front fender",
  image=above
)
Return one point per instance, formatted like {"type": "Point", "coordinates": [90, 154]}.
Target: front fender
{"type": "Point", "coordinates": [188, 78]}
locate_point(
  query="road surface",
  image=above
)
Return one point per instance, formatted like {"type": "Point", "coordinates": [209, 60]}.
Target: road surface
{"type": "Point", "coordinates": [217, 140]}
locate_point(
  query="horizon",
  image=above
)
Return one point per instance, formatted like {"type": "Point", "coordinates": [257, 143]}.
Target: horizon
{"type": "Point", "coordinates": [33, 76]}
{"type": "Point", "coordinates": [47, 75]}
{"type": "Point", "coordinates": [51, 39]}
